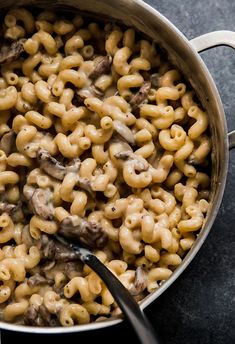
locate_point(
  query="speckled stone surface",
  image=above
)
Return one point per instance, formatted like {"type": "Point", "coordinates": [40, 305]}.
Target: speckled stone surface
{"type": "Point", "coordinates": [199, 308]}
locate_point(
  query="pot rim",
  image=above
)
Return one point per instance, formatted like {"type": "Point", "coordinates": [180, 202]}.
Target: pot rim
{"type": "Point", "coordinates": [209, 220]}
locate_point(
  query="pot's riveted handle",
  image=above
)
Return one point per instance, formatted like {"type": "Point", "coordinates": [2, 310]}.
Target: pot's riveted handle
{"type": "Point", "coordinates": [214, 39]}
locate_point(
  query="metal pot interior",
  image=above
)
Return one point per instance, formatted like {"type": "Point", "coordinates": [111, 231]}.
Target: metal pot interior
{"type": "Point", "coordinates": [152, 24]}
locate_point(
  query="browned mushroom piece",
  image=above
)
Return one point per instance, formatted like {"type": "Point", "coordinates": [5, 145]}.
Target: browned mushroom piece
{"type": "Point", "coordinates": [7, 142]}
{"type": "Point", "coordinates": [11, 52]}
{"type": "Point", "coordinates": [124, 155]}
{"type": "Point", "coordinates": [102, 66]}
{"type": "Point", "coordinates": [70, 269]}
{"type": "Point", "coordinates": [140, 282]}
{"type": "Point", "coordinates": [14, 210]}
{"type": "Point", "coordinates": [50, 165]}
{"type": "Point", "coordinates": [87, 233]}
{"type": "Point", "coordinates": [73, 269]}
{"type": "Point", "coordinates": [47, 266]}
{"type": "Point", "coordinates": [54, 251]}
{"type": "Point", "coordinates": [31, 316]}
{"type": "Point", "coordinates": [138, 99]}
{"type": "Point", "coordinates": [38, 279]}
{"type": "Point", "coordinates": [39, 316]}
{"type": "Point", "coordinates": [140, 163]}
{"type": "Point", "coordinates": [17, 214]}
{"type": "Point", "coordinates": [6, 207]}
{"type": "Point", "coordinates": [73, 165]}
{"type": "Point", "coordinates": [85, 184]}
{"type": "Point", "coordinates": [41, 205]}
{"type": "Point", "coordinates": [155, 80]}
{"type": "Point", "coordinates": [55, 168]}
{"type": "Point", "coordinates": [90, 91]}
{"type": "Point", "coordinates": [63, 254]}
{"type": "Point", "coordinates": [47, 247]}
{"type": "Point", "coordinates": [124, 131]}
{"type": "Point", "coordinates": [26, 237]}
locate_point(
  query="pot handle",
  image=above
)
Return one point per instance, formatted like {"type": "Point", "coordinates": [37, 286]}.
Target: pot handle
{"type": "Point", "coordinates": [214, 39]}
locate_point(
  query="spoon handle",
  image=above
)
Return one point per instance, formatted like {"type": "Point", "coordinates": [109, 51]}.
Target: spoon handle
{"type": "Point", "coordinates": [128, 305]}
{"type": "Point", "coordinates": [126, 302]}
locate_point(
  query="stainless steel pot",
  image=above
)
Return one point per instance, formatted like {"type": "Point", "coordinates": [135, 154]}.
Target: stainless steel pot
{"type": "Point", "coordinates": [183, 54]}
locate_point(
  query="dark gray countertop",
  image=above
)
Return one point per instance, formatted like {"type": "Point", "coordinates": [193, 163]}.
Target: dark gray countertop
{"type": "Point", "coordinates": [199, 308]}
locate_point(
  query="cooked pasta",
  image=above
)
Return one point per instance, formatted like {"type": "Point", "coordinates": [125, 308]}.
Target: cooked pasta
{"type": "Point", "coordinates": [99, 142]}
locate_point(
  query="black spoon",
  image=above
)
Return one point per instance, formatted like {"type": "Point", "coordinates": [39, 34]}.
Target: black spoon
{"type": "Point", "coordinates": [126, 302]}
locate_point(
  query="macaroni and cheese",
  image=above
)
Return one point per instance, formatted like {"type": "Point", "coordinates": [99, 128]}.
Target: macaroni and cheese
{"type": "Point", "coordinates": [101, 140]}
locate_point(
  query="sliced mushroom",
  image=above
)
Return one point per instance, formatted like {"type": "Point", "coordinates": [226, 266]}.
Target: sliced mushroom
{"type": "Point", "coordinates": [32, 317]}
{"type": "Point", "coordinates": [70, 269]}
{"type": "Point", "coordinates": [87, 233]}
{"type": "Point", "coordinates": [48, 265]}
{"type": "Point", "coordinates": [11, 52]}
{"type": "Point", "coordinates": [26, 237]}
{"type": "Point", "coordinates": [90, 91]}
{"type": "Point", "coordinates": [14, 210]}
{"type": "Point", "coordinates": [6, 207]}
{"type": "Point", "coordinates": [53, 167]}
{"type": "Point", "coordinates": [139, 98]}
{"type": "Point", "coordinates": [73, 165]}
{"type": "Point", "coordinates": [17, 214]}
{"type": "Point", "coordinates": [85, 184]}
{"type": "Point", "coordinates": [64, 254]}
{"type": "Point", "coordinates": [47, 247]}
{"type": "Point", "coordinates": [140, 163]}
{"type": "Point", "coordinates": [7, 142]}
{"type": "Point", "coordinates": [38, 279]}
{"type": "Point", "coordinates": [140, 282]}
{"type": "Point", "coordinates": [102, 66]}
{"type": "Point", "coordinates": [125, 155]}
{"type": "Point", "coordinates": [73, 269]}
{"type": "Point", "coordinates": [39, 316]}
{"type": "Point", "coordinates": [40, 203]}
{"type": "Point", "coordinates": [155, 80]}
{"type": "Point", "coordinates": [50, 165]}
{"type": "Point", "coordinates": [124, 131]}
{"type": "Point", "coordinates": [54, 251]}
